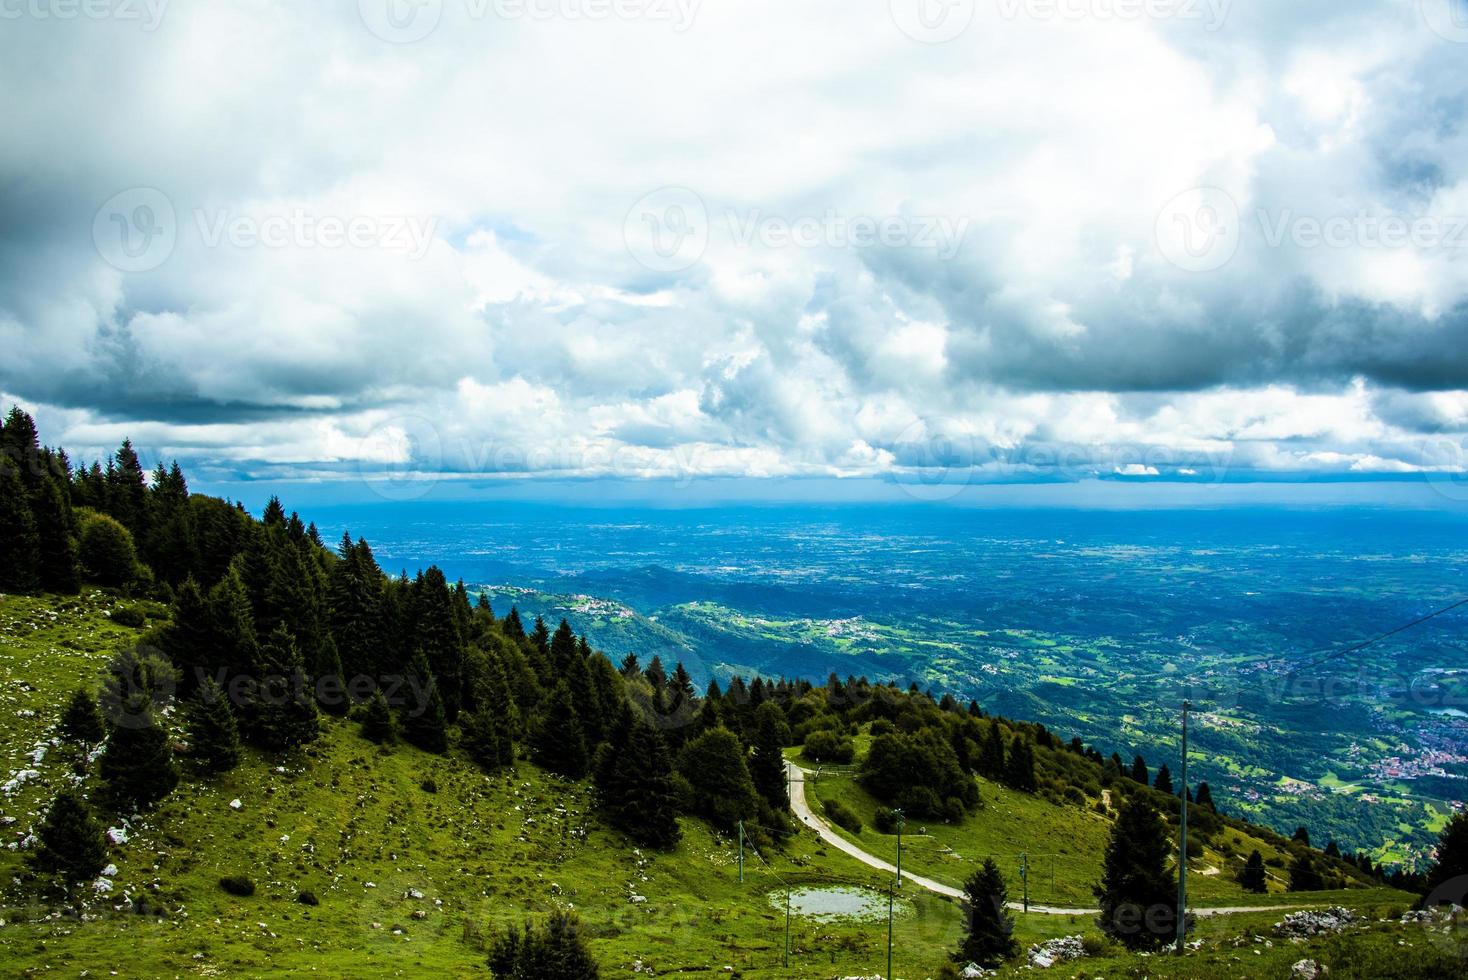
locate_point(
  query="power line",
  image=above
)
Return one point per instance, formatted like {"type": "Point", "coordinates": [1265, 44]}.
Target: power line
{"type": "Point", "coordinates": [1357, 647]}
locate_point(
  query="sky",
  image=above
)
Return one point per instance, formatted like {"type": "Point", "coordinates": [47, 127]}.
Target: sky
{"type": "Point", "coordinates": [936, 244]}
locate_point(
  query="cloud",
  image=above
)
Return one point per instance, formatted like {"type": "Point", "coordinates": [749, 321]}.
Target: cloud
{"type": "Point", "coordinates": [887, 256]}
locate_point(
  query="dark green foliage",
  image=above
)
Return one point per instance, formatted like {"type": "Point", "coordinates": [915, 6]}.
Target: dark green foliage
{"type": "Point", "coordinates": [281, 709]}
{"type": "Point", "coordinates": [138, 767]}
{"type": "Point", "coordinates": [56, 555]}
{"type": "Point", "coordinates": [82, 721]}
{"type": "Point", "coordinates": [555, 951]}
{"type": "Point", "coordinates": [1452, 854]}
{"type": "Point", "coordinates": [1302, 835]}
{"type": "Point", "coordinates": [842, 816]}
{"type": "Point", "coordinates": [920, 774]}
{"type": "Point", "coordinates": [1139, 771]}
{"type": "Point", "coordinates": [1252, 878]}
{"type": "Point", "coordinates": [1305, 875]}
{"type": "Point", "coordinates": [557, 742]}
{"type": "Point", "coordinates": [1019, 771]}
{"type": "Point", "coordinates": [107, 553]}
{"type": "Point", "coordinates": [989, 939]}
{"type": "Point", "coordinates": [70, 844]}
{"type": "Point", "coordinates": [424, 721]}
{"type": "Point", "coordinates": [826, 746]}
{"type": "Point", "coordinates": [1137, 889]}
{"type": "Point", "coordinates": [1163, 783]}
{"type": "Point", "coordinates": [377, 723]}
{"type": "Point", "coordinates": [137, 678]}
{"type": "Point", "coordinates": [237, 885]}
{"type": "Point", "coordinates": [485, 735]}
{"type": "Point", "coordinates": [992, 758]}
{"type": "Point", "coordinates": [1205, 798]}
{"type": "Point", "coordinates": [214, 738]}
{"type": "Point", "coordinates": [767, 763]}
{"type": "Point", "coordinates": [19, 543]}
{"type": "Point", "coordinates": [714, 765]}
{"type": "Point", "coordinates": [638, 793]}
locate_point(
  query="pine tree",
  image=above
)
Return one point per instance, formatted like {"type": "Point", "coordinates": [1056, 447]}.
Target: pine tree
{"type": "Point", "coordinates": [1304, 875]}
{"type": "Point", "coordinates": [70, 844]}
{"type": "Point", "coordinates": [82, 721]}
{"type": "Point", "coordinates": [56, 556]}
{"type": "Point", "coordinates": [1452, 853]}
{"type": "Point", "coordinates": [555, 952]}
{"type": "Point", "coordinates": [19, 543]}
{"type": "Point", "coordinates": [214, 737]}
{"type": "Point", "coordinates": [1252, 878]}
{"type": "Point", "coordinates": [1205, 797]}
{"type": "Point", "coordinates": [557, 742]}
{"type": "Point", "coordinates": [1163, 784]}
{"type": "Point", "coordinates": [377, 723]}
{"type": "Point", "coordinates": [1135, 879]}
{"type": "Point", "coordinates": [425, 723]}
{"type": "Point", "coordinates": [1139, 771]}
{"type": "Point", "coordinates": [137, 766]}
{"type": "Point", "coordinates": [992, 759]}
{"type": "Point", "coordinates": [767, 764]}
{"type": "Point", "coordinates": [990, 938]}
{"type": "Point", "coordinates": [232, 647]}
{"type": "Point", "coordinates": [714, 765]}
{"type": "Point", "coordinates": [485, 737]}
{"type": "Point", "coordinates": [1019, 772]}
{"type": "Point", "coordinates": [1302, 835]}
{"type": "Point", "coordinates": [281, 713]}
{"type": "Point", "coordinates": [638, 793]}
{"type": "Point", "coordinates": [1332, 850]}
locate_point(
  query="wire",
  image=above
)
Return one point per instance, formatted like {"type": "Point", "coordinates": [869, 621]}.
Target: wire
{"type": "Point", "coordinates": [1357, 647]}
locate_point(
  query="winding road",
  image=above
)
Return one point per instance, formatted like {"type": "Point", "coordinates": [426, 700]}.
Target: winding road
{"type": "Point", "coordinates": [827, 833]}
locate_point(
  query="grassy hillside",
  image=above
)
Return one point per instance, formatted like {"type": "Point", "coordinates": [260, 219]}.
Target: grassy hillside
{"type": "Point", "coordinates": [366, 831]}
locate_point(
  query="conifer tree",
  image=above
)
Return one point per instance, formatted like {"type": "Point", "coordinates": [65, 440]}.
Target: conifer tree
{"type": "Point", "coordinates": [19, 543]}
{"type": "Point", "coordinates": [992, 760]}
{"type": "Point", "coordinates": [377, 723]}
{"type": "Point", "coordinates": [424, 721]}
{"type": "Point", "coordinates": [557, 742]}
{"type": "Point", "coordinates": [1205, 797]}
{"type": "Point", "coordinates": [214, 737]}
{"type": "Point", "coordinates": [767, 763]}
{"type": "Point", "coordinates": [137, 766]}
{"type": "Point", "coordinates": [990, 936]}
{"type": "Point", "coordinates": [512, 627]}
{"type": "Point", "coordinates": [232, 647]}
{"type": "Point", "coordinates": [69, 842]}
{"type": "Point", "coordinates": [189, 637]}
{"type": "Point", "coordinates": [485, 737]}
{"type": "Point", "coordinates": [639, 794]}
{"type": "Point", "coordinates": [714, 765]}
{"type": "Point", "coordinates": [282, 711]}
{"type": "Point", "coordinates": [82, 721]}
{"type": "Point", "coordinates": [556, 951]}
{"type": "Point", "coordinates": [1139, 771]}
{"type": "Point", "coordinates": [1252, 878]}
{"type": "Point", "coordinates": [1452, 853]}
{"type": "Point", "coordinates": [1302, 835]}
{"type": "Point", "coordinates": [1163, 784]}
{"type": "Point", "coordinates": [1135, 878]}
{"type": "Point", "coordinates": [1019, 771]}
{"type": "Point", "coordinates": [1304, 875]}
{"type": "Point", "coordinates": [57, 565]}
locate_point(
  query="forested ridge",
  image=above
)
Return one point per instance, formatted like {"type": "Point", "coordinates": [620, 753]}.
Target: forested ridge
{"type": "Point", "coordinates": [259, 629]}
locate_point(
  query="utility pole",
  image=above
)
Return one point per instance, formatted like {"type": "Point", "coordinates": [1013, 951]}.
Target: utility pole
{"type": "Point", "coordinates": [889, 934]}
{"type": "Point", "coordinates": [1182, 845]}
{"type": "Point", "coordinates": [901, 822]}
{"type": "Point", "coordinates": [787, 927]}
{"type": "Point", "coordinates": [1024, 876]}
{"type": "Point", "coordinates": [741, 852]}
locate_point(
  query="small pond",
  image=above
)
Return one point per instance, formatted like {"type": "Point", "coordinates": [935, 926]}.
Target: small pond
{"type": "Point", "coordinates": [828, 902]}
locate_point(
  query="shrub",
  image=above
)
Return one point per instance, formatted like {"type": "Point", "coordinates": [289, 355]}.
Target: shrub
{"type": "Point", "coordinates": [842, 816]}
{"type": "Point", "coordinates": [826, 746]}
{"type": "Point", "coordinates": [307, 898]}
{"type": "Point", "coordinates": [237, 885]}
{"type": "Point", "coordinates": [107, 551]}
{"type": "Point", "coordinates": [885, 821]}
{"type": "Point", "coordinates": [129, 616]}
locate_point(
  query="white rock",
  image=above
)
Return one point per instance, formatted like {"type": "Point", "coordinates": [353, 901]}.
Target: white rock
{"type": "Point", "coordinates": [110, 871]}
{"type": "Point", "coordinates": [235, 804]}
{"type": "Point", "coordinates": [117, 835]}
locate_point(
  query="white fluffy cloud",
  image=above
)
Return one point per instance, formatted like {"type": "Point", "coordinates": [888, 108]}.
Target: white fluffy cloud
{"type": "Point", "coordinates": [677, 239]}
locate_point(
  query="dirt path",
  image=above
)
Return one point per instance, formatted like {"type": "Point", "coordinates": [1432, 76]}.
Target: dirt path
{"type": "Point", "coordinates": [827, 833]}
